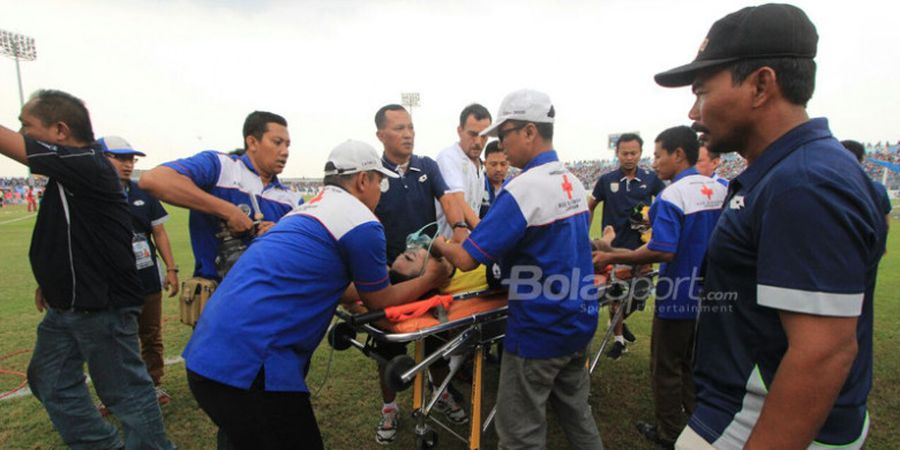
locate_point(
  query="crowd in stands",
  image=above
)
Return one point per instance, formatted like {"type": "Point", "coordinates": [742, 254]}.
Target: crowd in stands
{"type": "Point", "coordinates": [888, 153]}
{"type": "Point", "coordinates": [731, 166]}
{"type": "Point", "coordinates": [14, 190]}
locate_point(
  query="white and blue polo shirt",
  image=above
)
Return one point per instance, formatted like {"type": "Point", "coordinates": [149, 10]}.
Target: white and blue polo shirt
{"type": "Point", "coordinates": [274, 307]}
{"type": "Point", "coordinates": [800, 231]}
{"type": "Point", "coordinates": [233, 179]}
{"type": "Point", "coordinates": [683, 217]}
{"type": "Point", "coordinates": [538, 231]}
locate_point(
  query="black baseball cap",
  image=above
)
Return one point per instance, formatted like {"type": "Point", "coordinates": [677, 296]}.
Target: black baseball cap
{"type": "Point", "coordinates": [766, 31]}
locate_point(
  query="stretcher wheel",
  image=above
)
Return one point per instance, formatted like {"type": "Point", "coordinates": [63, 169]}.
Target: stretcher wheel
{"type": "Point", "coordinates": [427, 440]}
{"type": "Point", "coordinates": [394, 370]}
{"type": "Point", "coordinates": [340, 335]}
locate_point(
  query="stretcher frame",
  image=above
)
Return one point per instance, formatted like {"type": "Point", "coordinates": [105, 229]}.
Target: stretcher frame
{"type": "Point", "coordinates": [471, 337]}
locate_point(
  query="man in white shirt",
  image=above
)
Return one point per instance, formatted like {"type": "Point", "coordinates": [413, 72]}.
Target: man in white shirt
{"type": "Point", "coordinates": [462, 169]}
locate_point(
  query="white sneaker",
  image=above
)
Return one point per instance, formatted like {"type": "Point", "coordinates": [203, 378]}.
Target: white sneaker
{"type": "Point", "coordinates": [387, 427]}
{"type": "Point", "coordinates": [447, 406]}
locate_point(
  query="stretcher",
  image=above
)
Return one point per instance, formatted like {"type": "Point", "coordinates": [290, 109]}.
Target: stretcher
{"type": "Point", "coordinates": [630, 287]}
{"type": "Point", "coordinates": [472, 322]}
{"type": "Point", "coordinates": [475, 320]}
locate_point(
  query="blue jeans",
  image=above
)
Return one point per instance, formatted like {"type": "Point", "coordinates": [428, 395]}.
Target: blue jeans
{"type": "Point", "coordinates": [108, 342]}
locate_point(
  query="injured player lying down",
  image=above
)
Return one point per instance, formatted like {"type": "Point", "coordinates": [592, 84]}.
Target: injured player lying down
{"type": "Point", "coordinates": [407, 266]}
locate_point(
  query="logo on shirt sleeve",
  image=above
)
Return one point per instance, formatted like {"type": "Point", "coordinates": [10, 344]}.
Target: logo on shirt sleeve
{"type": "Point", "coordinates": [737, 202]}
{"type": "Point", "coordinates": [566, 186]}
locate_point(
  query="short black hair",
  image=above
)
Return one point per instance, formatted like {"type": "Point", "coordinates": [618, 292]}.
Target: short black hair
{"type": "Point", "coordinates": [380, 115]}
{"type": "Point", "coordinates": [257, 123]}
{"type": "Point", "coordinates": [712, 155]}
{"type": "Point", "coordinates": [544, 129]}
{"type": "Point", "coordinates": [629, 137]}
{"type": "Point", "coordinates": [795, 76]}
{"type": "Point", "coordinates": [858, 150]}
{"type": "Point", "coordinates": [52, 106]}
{"type": "Point", "coordinates": [682, 137]}
{"type": "Point", "coordinates": [492, 147]}
{"type": "Point", "coordinates": [480, 113]}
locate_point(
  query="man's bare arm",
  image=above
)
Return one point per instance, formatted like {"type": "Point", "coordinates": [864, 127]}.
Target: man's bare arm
{"type": "Point", "coordinates": [456, 254]}
{"type": "Point", "coordinates": [436, 275]}
{"type": "Point", "coordinates": [174, 188]}
{"type": "Point", "coordinates": [12, 145]}
{"type": "Point", "coordinates": [820, 352]}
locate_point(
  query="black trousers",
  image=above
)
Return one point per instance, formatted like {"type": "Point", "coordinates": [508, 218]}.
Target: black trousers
{"type": "Point", "coordinates": [258, 419]}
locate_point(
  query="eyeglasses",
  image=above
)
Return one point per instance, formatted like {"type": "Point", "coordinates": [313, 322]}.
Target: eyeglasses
{"type": "Point", "coordinates": [123, 158]}
{"type": "Point", "coordinates": [501, 134]}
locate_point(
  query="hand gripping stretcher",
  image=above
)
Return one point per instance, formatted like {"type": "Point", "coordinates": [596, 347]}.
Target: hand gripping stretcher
{"type": "Point", "coordinates": [475, 320]}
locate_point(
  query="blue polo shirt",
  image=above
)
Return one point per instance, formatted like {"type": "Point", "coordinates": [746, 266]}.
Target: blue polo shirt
{"type": "Point", "coordinates": [683, 217]}
{"type": "Point", "coordinates": [146, 213]}
{"type": "Point", "coordinates": [800, 231]}
{"type": "Point", "coordinates": [231, 178]}
{"type": "Point", "coordinates": [884, 200]}
{"type": "Point", "coordinates": [490, 195]}
{"type": "Point", "coordinates": [272, 312]}
{"type": "Point", "coordinates": [538, 231]}
{"type": "Point", "coordinates": [409, 203]}
{"type": "Point", "coordinates": [619, 196]}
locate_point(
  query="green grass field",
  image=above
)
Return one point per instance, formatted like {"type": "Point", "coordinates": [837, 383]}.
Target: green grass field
{"type": "Point", "coordinates": [347, 404]}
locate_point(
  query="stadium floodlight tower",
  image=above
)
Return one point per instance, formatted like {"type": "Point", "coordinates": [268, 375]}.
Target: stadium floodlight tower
{"type": "Point", "coordinates": [410, 100]}
{"type": "Point", "coordinates": [19, 47]}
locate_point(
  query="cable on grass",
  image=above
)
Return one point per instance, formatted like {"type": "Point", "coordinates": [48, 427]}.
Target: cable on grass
{"type": "Point", "coordinates": [17, 373]}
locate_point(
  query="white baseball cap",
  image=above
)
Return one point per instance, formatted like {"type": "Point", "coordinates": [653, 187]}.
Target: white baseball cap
{"type": "Point", "coordinates": [117, 146]}
{"type": "Point", "coordinates": [355, 156]}
{"type": "Point", "coordinates": [526, 105]}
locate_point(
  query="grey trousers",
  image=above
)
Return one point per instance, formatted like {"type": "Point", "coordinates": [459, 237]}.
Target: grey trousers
{"type": "Point", "coordinates": [526, 385]}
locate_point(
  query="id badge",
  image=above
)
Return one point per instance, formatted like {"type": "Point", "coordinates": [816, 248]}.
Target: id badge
{"type": "Point", "coordinates": [142, 256]}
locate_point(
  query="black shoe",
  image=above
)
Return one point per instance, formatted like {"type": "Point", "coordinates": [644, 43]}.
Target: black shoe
{"type": "Point", "coordinates": [616, 351]}
{"type": "Point", "coordinates": [627, 334]}
{"type": "Point", "coordinates": [648, 431]}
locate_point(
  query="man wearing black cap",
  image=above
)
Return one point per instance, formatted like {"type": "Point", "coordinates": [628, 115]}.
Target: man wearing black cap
{"type": "Point", "coordinates": [786, 314]}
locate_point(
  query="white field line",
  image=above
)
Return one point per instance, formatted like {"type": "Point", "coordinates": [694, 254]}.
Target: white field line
{"type": "Point", "coordinates": [25, 391]}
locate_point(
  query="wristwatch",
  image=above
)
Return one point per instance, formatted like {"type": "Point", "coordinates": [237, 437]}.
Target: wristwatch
{"type": "Point", "coordinates": [460, 225]}
{"type": "Point", "coordinates": [173, 269]}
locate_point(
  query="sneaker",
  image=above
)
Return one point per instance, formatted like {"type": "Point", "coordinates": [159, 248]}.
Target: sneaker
{"type": "Point", "coordinates": [627, 334]}
{"type": "Point", "coordinates": [447, 406]}
{"type": "Point", "coordinates": [162, 396]}
{"type": "Point", "coordinates": [616, 351]}
{"type": "Point", "coordinates": [649, 432]}
{"type": "Point", "coordinates": [387, 428]}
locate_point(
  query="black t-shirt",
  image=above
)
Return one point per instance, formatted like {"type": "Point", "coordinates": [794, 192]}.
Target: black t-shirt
{"type": "Point", "coordinates": [81, 252]}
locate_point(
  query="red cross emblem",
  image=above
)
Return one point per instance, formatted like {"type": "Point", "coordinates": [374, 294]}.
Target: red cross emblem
{"type": "Point", "coordinates": [317, 197]}
{"type": "Point", "coordinates": [567, 187]}
{"type": "Point", "coordinates": [705, 190]}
